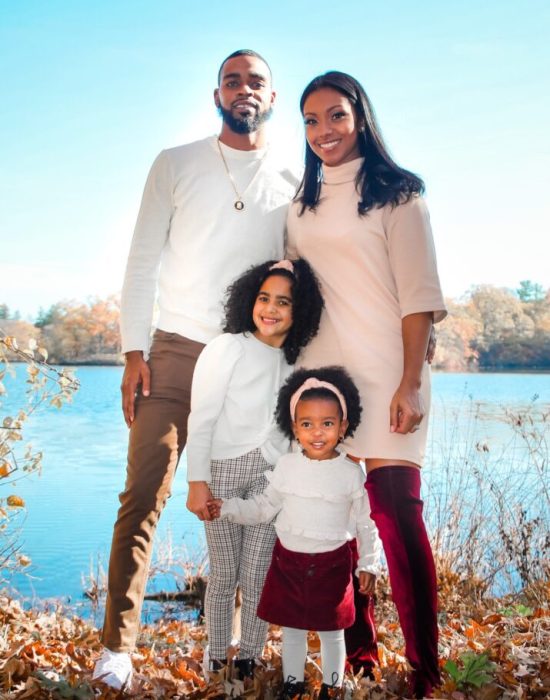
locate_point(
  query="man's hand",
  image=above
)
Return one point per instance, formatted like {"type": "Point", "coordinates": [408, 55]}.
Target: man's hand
{"type": "Point", "coordinates": [367, 583]}
{"type": "Point", "coordinates": [197, 499]}
{"type": "Point", "coordinates": [136, 373]}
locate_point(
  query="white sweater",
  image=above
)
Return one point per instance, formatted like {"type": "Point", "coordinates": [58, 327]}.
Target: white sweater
{"type": "Point", "coordinates": [233, 397]}
{"type": "Point", "coordinates": [319, 504]}
{"type": "Point", "coordinates": [192, 241]}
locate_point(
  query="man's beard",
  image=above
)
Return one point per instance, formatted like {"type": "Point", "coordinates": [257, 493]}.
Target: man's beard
{"type": "Point", "coordinates": [246, 124]}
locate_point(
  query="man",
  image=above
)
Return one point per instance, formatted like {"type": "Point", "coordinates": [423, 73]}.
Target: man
{"type": "Point", "coordinates": [210, 209]}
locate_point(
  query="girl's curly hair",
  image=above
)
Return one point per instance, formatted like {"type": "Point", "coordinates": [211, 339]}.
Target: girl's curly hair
{"type": "Point", "coordinates": [307, 304]}
{"type": "Point", "coordinates": [335, 375]}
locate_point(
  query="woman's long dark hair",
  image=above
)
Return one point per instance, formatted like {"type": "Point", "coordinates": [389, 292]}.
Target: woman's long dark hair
{"type": "Point", "coordinates": [380, 180]}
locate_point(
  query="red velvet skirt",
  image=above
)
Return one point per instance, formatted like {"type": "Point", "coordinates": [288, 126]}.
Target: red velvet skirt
{"type": "Point", "coordinates": [309, 591]}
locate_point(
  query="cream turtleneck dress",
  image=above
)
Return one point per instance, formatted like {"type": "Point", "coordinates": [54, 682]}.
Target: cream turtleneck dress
{"type": "Point", "coordinates": [373, 270]}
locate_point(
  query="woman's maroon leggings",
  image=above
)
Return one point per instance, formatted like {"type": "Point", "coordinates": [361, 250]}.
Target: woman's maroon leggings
{"type": "Point", "coordinates": [361, 649]}
{"type": "Point", "coordinates": [396, 508]}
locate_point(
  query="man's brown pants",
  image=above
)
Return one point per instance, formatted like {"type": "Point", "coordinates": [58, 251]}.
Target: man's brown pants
{"type": "Point", "coordinates": [157, 438]}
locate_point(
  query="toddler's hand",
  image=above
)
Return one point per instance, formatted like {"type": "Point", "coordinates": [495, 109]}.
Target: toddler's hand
{"type": "Point", "coordinates": [214, 507]}
{"type": "Point", "coordinates": [367, 583]}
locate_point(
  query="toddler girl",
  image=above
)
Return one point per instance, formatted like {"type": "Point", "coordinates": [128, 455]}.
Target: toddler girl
{"type": "Point", "coordinates": [272, 311]}
{"type": "Point", "coordinates": [314, 493]}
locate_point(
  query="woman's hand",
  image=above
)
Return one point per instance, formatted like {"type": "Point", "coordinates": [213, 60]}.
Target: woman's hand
{"type": "Point", "coordinates": [215, 508]}
{"type": "Point", "coordinates": [406, 409]}
{"type": "Point", "coordinates": [197, 499]}
{"type": "Point", "coordinates": [136, 372]}
{"type": "Point", "coordinates": [367, 583]}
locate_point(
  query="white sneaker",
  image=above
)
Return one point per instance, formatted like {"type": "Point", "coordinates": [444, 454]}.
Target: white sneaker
{"type": "Point", "coordinates": [114, 669]}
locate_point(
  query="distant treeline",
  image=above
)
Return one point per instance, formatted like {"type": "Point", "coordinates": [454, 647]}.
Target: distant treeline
{"type": "Point", "coordinates": [490, 328]}
{"type": "Point", "coordinates": [496, 329]}
{"type": "Point", "coordinates": [72, 332]}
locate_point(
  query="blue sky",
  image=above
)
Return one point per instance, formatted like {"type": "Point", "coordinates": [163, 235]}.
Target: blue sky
{"type": "Point", "coordinates": [91, 91]}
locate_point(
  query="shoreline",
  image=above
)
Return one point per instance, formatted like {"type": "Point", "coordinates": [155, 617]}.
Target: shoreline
{"type": "Point", "coordinates": [485, 370]}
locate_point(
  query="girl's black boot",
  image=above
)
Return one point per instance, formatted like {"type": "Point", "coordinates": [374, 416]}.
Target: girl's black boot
{"type": "Point", "coordinates": [244, 668]}
{"type": "Point", "coordinates": [292, 689]}
{"type": "Point", "coordinates": [330, 691]}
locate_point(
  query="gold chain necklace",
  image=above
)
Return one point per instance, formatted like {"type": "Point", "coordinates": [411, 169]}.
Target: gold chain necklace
{"type": "Point", "coordinates": [239, 204]}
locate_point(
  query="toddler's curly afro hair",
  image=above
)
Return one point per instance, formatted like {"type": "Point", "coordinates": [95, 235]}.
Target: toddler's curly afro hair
{"type": "Point", "coordinates": [335, 375]}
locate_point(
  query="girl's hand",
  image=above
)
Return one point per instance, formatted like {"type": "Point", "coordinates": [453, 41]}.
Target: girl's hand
{"type": "Point", "coordinates": [197, 499]}
{"type": "Point", "coordinates": [215, 507]}
{"type": "Point", "coordinates": [367, 583]}
{"type": "Point", "coordinates": [406, 409]}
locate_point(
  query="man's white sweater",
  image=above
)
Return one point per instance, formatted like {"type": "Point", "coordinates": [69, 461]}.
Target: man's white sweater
{"type": "Point", "coordinates": [190, 242]}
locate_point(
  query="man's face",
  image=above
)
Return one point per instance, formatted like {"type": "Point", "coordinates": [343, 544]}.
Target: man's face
{"type": "Point", "coordinates": [244, 97]}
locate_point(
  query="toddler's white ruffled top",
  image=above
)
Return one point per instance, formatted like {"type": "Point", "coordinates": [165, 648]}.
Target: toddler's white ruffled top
{"type": "Point", "coordinates": [319, 504]}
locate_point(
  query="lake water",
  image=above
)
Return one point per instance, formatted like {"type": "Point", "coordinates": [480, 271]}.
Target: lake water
{"type": "Point", "coordinates": [71, 506]}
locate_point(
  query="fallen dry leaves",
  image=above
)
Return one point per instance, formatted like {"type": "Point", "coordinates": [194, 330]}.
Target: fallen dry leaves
{"type": "Point", "coordinates": [50, 655]}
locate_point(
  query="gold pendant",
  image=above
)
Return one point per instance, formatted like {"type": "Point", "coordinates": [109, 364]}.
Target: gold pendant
{"type": "Point", "coordinates": [239, 205]}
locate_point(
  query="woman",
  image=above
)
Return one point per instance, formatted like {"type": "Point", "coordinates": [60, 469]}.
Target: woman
{"type": "Point", "coordinates": [360, 221]}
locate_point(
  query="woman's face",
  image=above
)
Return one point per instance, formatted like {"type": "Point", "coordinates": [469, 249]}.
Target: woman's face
{"type": "Point", "coordinates": [331, 126]}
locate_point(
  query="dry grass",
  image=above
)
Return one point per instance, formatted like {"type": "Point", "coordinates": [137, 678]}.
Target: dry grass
{"type": "Point", "coordinates": [487, 500]}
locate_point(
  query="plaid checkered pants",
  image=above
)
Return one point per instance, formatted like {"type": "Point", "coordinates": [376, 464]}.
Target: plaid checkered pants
{"type": "Point", "coordinates": [239, 554]}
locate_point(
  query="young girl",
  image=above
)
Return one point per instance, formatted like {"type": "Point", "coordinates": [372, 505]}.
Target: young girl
{"type": "Point", "coordinates": [272, 311]}
{"type": "Point", "coordinates": [313, 493]}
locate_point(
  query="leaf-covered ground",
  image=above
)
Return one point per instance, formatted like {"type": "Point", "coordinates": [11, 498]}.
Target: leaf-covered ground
{"type": "Point", "coordinates": [489, 650]}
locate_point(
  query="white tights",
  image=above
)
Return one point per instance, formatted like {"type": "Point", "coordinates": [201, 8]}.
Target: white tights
{"type": "Point", "coordinates": [333, 653]}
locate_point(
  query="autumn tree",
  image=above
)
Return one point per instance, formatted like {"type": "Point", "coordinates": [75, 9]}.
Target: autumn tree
{"type": "Point", "coordinates": [514, 332]}
{"type": "Point", "coordinates": [456, 339]}
{"type": "Point", "coordinates": [81, 332]}
{"type": "Point", "coordinates": [67, 336]}
{"type": "Point", "coordinates": [496, 328]}
{"type": "Point", "coordinates": [502, 315]}
{"type": "Point", "coordinates": [103, 325]}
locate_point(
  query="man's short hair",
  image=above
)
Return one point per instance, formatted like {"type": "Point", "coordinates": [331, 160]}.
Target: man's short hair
{"type": "Point", "coordinates": [242, 52]}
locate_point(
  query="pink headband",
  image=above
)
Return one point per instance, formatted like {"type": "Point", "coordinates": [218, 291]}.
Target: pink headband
{"type": "Point", "coordinates": [314, 383]}
{"type": "Point", "coordinates": [283, 265]}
